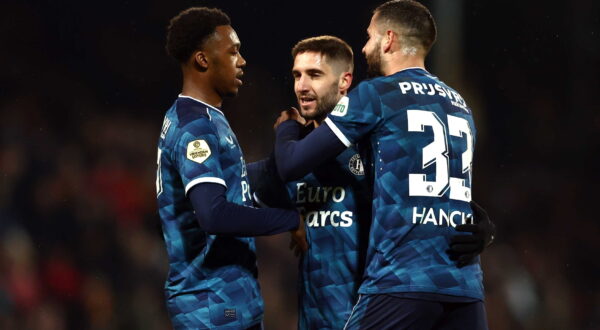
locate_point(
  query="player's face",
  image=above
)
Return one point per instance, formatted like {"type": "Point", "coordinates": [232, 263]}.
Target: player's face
{"type": "Point", "coordinates": [226, 62]}
{"type": "Point", "coordinates": [316, 85]}
{"type": "Point", "coordinates": [372, 49]}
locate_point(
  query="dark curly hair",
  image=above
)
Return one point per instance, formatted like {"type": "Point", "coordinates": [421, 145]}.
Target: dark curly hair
{"type": "Point", "coordinates": [188, 31]}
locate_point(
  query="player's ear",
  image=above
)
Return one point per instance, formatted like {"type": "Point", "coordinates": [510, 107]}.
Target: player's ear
{"type": "Point", "coordinates": [345, 82]}
{"type": "Point", "coordinates": [200, 60]}
{"type": "Point", "coordinates": [388, 39]}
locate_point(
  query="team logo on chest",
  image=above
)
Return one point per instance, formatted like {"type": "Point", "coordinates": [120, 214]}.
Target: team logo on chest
{"type": "Point", "coordinates": [356, 166]}
{"type": "Point", "coordinates": [198, 151]}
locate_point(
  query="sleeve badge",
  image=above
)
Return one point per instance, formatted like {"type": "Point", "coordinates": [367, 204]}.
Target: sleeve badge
{"type": "Point", "coordinates": [198, 151]}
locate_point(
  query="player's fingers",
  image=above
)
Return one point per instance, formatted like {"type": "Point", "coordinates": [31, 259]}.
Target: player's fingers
{"type": "Point", "coordinates": [464, 260]}
{"type": "Point", "coordinates": [293, 112]}
{"type": "Point", "coordinates": [464, 248]}
{"type": "Point", "coordinates": [463, 239]}
{"type": "Point", "coordinates": [304, 244]}
{"type": "Point", "coordinates": [471, 228]}
{"type": "Point", "coordinates": [452, 255]}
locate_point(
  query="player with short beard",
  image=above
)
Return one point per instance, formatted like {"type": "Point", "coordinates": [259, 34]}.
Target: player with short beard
{"type": "Point", "coordinates": [420, 135]}
{"type": "Point", "coordinates": [334, 198]}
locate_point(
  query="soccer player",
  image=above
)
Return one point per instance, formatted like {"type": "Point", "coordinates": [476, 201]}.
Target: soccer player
{"type": "Point", "coordinates": [420, 136]}
{"type": "Point", "coordinates": [202, 187]}
{"type": "Point", "coordinates": [334, 197]}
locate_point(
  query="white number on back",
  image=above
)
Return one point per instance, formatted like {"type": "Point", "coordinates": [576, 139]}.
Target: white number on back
{"type": "Point", "coordinates": [437, 153]}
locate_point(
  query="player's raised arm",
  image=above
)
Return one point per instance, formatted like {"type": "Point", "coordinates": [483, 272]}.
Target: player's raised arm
{"type": "Point", "coordinates": [296, 158]}
{"type": "Point", "coordinates": [268, 190]}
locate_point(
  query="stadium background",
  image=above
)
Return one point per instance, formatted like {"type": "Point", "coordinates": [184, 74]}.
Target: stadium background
{"type": "Point", "coordinates": [84, 85]}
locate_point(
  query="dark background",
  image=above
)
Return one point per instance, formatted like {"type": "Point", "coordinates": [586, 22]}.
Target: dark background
{"type": "Point", "coordinates": [84, 87]}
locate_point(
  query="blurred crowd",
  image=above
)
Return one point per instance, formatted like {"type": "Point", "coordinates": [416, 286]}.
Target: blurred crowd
{"type": "Point", "coordinates": [80, 246]}
{"type": "Point", "coordinates": [80, 239]}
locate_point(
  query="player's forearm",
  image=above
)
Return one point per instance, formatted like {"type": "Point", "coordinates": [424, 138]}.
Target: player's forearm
{"type": "Point", "coordinates": [296, 158]}
{"type": "Point", "coordinates": [218, 216]}
{"type": "Point", "coordinates": [255, 171]}
{"type": "Point", "coordinates": [268, 189]}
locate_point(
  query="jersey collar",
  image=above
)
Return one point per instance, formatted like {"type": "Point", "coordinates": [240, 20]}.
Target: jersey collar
{"type": "Point", "coordinates": [412, 68]}
{"type": "Point", "coordinates": [208, 105]}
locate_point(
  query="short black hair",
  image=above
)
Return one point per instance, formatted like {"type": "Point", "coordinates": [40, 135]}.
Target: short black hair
{"type": "Point", "coordinates": [188, 31]}
{"type": "Point", "coordinates": [414, 19]}
{"type": "Point", "coordinates": [333, 48]}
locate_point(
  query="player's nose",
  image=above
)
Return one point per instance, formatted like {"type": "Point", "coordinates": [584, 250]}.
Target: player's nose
{"type": "Point", "coordinates": [301, 84]}
{"type": "Point", "coordinates": [241, 60]}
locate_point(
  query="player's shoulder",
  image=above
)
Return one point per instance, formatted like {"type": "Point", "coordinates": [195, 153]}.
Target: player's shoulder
{"type": "Point", "coordinates": [383, 84]}
{"type": "Point", "coordinates": [193, 115]}
{"type": "Point", "coordinates": [188, 110]}
{"type": "Point", "coordinates": [367, 89]}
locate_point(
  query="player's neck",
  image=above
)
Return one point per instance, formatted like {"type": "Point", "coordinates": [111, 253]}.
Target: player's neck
{"type": "Point", "coordinates": [399, 63]}
{"type": "Point", "coordinates": [200, 90]}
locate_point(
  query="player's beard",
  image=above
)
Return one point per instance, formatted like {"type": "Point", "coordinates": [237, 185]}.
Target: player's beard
{"type": "Point", "coordinates": [325, 104]}
{"type": "Point", "coordinates": [374, 62]}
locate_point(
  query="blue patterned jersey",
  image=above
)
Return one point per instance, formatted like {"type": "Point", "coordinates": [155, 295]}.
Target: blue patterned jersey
{"type": "Point", "coordinates": [422, 136]}
{"type": "Point", "coordinates": [335, 201]}
{"type": "Point", "coordinates": [212, 279]}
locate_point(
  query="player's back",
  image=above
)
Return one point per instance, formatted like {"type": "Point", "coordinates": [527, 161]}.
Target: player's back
{"type": "Point", "coordinates": [212, 278]}
{"type": "Point", "coordinates": [422, 135]}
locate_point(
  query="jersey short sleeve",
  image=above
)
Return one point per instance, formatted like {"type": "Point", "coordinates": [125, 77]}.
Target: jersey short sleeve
{"type": "Point", "coordinates": [355, 115]}
{"type": "Point", "coordinates": [197, 155]}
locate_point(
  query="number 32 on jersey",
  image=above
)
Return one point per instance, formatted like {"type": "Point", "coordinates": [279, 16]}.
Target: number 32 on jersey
{"type": "Point", "coordinates": [437, 153]}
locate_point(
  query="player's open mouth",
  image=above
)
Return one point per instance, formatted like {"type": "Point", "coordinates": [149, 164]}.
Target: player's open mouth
{"type": "Point", "coordinates": [307, 101]}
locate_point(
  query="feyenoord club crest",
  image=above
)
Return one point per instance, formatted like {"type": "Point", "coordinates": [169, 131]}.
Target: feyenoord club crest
{"type": "Point", "coordinates": [356, 166]}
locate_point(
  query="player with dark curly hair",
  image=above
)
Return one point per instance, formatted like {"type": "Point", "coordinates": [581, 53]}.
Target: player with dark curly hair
{"type": "Point", "coordinates": [202, 186]}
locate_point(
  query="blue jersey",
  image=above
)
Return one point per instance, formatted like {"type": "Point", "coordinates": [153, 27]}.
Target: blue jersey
{"type": "Point", "coordinates": [335, 201]}
{"type": "Point", "coordinates": [422, 137]}
{"type": "Point", "coordinates": [212, 279]}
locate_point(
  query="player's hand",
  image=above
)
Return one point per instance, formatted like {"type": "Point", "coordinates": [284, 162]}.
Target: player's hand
{"type": "Point", "coordinates": [298, 243]}
{"type": "Point", "coordinates": [293, 114]}
{"type": "Point", "coordinates": [464, 248]}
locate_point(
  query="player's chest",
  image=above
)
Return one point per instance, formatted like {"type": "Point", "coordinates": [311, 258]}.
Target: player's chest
{"type": "Point", "coordinates": [231, 157]}
{"type": "Point", "coordinates": [332, 181]}
{"type": "Point", "coordinates": [229, 147]}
